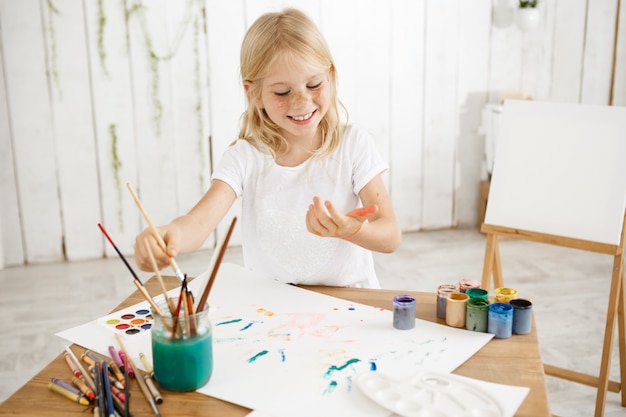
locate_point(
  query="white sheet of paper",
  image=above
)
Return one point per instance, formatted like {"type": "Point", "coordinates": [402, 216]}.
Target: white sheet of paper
{"type": "Point", "coordinates": [286, 351]}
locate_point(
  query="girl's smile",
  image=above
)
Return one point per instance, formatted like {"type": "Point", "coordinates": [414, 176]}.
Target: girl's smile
{"type": "Point", "coordinates": [305, 118]}
{"type": "Point", "coordinates": [296, 96]}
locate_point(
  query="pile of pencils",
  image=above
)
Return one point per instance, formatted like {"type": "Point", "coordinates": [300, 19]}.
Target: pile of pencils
{"type": "Point", "coordinates": [103, 382]}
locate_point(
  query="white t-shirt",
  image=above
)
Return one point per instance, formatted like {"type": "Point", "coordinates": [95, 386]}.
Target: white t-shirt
{"type": "Point", "coordinates": [276, 242]}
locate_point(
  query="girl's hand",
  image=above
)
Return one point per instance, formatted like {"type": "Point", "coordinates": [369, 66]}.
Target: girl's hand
{"type": "Point", "coordinates": [325, 220]}
{"type": "Point", "coordinates": [162, 256]}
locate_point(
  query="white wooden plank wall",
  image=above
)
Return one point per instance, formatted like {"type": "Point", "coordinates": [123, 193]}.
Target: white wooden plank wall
{"type": "Point", "coordinates": [95, 94]}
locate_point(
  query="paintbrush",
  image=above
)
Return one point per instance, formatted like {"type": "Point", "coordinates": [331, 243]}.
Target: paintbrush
{"type": "Point", "coordinates": [168, 300]}
{"type": "Point", "coordinates": [142, 289]}
{"type": "Point", "coordinates": [177, 312]}
{"type": "Point", "coordinates": [155, 232]}
{"type": "Point", "coordinates": [221, 248]}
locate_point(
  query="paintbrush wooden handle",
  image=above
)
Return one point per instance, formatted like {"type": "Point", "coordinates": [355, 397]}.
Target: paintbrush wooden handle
{"type": "Point", "coordinates": [148, 298]}
{"type": "Point", "coordinates": [155, 267]}
{"type": "Point", "coordinates": [218, 261]}
{"type": "Point", "coordinates": [155, 232]}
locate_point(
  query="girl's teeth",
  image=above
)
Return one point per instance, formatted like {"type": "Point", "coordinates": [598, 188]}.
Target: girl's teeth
{"type": "Point", "coordinates": [301, 118]}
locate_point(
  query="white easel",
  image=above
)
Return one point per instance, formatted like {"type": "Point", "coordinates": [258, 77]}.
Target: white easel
{"type": "Point", "coordinates": [560, 178]}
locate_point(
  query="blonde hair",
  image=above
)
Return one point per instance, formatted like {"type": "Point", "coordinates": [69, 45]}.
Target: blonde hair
{"type": "Point", "coordinates": [292, 34]}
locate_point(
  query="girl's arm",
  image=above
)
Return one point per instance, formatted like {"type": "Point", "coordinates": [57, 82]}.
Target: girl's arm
{"type": "Point", "coordinates": [186, 233]}
{"type": "Point", "coordinates": [379, 233]}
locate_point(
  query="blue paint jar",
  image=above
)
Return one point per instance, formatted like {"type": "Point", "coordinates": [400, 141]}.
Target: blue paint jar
{"type": "Point", "coordinates": [500, 322]}
{"type": "Point", "coordinates": [522, 315]}
{"type": "Point", "coordinates": [442, 297]}
{"type": "Point", "coordinates": [403, 312]}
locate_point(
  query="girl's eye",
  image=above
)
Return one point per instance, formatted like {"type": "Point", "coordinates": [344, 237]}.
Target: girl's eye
{"type": "Point", "coordinates": [281, 94]}
{"type": "Point", "coordinates": [313, 87]}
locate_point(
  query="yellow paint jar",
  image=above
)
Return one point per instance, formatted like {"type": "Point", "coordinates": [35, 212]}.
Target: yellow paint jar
{"type": "Point", "coordinates": [505, 295]}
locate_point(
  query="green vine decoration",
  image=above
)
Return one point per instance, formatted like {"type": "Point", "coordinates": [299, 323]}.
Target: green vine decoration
{"type": "Point", "coordinates": [199, 107]}
{"type": "Point", "coordinates": [138, 9]}
{"type": "Point", "coordinates": [101, 51]}
{"type": "Point", "coordinates": [117, 164]}
{"type": "Point", "coordinates": [52, 10]}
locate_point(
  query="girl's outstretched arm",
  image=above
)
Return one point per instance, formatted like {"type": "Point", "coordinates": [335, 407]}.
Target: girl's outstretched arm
{"type": "Point", "coordinates": [186, 233]}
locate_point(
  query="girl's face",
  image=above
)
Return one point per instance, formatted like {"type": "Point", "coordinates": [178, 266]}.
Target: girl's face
{"type": "Point", "coordinates": [296, 96]}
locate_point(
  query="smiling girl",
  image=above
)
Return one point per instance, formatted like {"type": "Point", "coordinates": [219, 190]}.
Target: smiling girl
{"type": "Point", "coordinates": [314, 204]}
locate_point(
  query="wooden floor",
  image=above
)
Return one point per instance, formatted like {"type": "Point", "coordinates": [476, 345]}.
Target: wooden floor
{"type": "Point", "coordinates": [568, 287]}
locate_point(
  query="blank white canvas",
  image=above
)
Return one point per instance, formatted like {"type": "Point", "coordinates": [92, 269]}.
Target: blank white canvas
{"type": "Point", "coordinates": [560, 169]}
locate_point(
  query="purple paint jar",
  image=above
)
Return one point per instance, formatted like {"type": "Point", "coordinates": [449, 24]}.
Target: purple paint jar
{"type": "Point", "coordinates": [403, 312]}
{"type": "Point", "coordinates": [442, 297]}
{"type": "Point", "coordinates": [500, 322]}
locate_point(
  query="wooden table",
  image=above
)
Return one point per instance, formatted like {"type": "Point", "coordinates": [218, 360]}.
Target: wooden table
{"type": "Point", "coordinates": [513, 361]}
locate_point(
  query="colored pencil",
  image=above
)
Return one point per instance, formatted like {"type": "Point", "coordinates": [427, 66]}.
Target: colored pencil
{"type": "Point", "coordinates": [142, 384]}
{"type": "Point", "coordinates": [88, 379]}
{"type": "Point", "coordinates": [155, 232]}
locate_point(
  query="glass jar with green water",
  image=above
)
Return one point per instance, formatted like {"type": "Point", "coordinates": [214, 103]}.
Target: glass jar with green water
{"type": "Point", "coordinates": [182, 349]}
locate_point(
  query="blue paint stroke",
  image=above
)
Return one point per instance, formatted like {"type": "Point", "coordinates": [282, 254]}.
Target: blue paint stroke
{"type": "Point", "coordinates": [246, 326]}
{"type": "Point", "coordinates": [258, 355]}
{"type": "Point", "coordinates": [351, 308]}
{"type": "Point", "coordinates": [330, 388]}
{"type": "Point", "coordinates": [282, 354]}
{"type": "Point", "coordinates": [372, 366]}
{"type": "Point", "coordinates": [228, 322]}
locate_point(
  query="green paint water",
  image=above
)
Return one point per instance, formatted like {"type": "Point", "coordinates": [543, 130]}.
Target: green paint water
{"type": "Point", "coordinates": [182, 364]}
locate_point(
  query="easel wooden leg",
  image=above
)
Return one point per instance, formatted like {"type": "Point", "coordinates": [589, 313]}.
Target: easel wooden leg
{"type": "Point", "coordinates": [498, 281]}
{"type": "Point", "coordinates": [616, 297]}
{"type": "Point", "coordinates": [492, 264]}
{"type": "Point", "coordinates": [488, 263]}
{"type": "Point", "coordinates": [621, 334]}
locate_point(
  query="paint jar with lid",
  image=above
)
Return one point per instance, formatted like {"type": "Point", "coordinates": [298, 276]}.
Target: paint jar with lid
{"type": "Point", "coordinates": [456, 309]}
{"type": "Point", "coordinates": [478, 293]}
{"type": "Point", "coordinates": [404, 312]}
{"type": "Point", "coordinates": [505, 295]}
{"type": "Point", "coordinates": [477, 315]}
{"type": "Point", "coordinates": [442, 296]}
{"type": "Point", "coordinates": [467, 283]}
{"type": "Point", "coordinates": [522, 315]}
{"type": "Point", "coordinates": [500, 321]}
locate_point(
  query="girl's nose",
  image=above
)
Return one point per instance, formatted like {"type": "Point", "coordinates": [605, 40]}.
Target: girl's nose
{"type": "Point", "coordinates": [300, 99]}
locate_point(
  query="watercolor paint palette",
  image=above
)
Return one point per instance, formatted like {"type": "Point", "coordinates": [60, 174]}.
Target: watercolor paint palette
{"type": "Point", "coordinates": [428, 394]}
{"type": "Point", "coordinates": [130, 321]}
